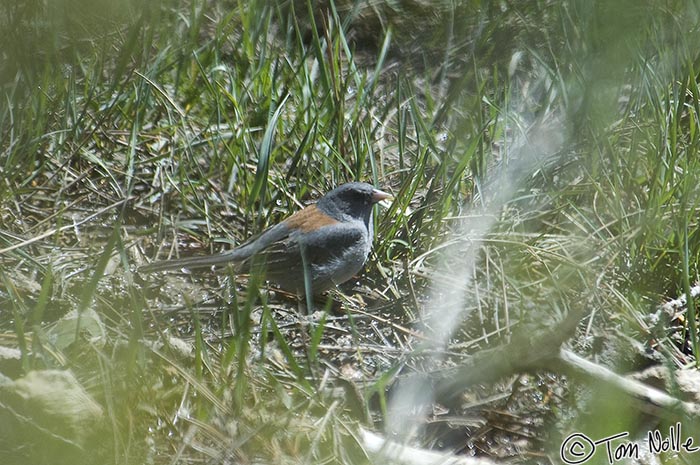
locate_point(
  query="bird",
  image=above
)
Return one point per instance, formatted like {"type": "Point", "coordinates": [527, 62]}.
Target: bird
{"type": "Point", "coordinates": [311, 251]}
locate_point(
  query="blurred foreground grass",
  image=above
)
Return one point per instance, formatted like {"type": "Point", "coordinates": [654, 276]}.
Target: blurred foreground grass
{"type": "Point", "coordinates": [132, 130]}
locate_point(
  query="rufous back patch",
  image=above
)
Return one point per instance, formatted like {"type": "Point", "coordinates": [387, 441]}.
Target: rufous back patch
{"type": "Point", "coordinates": [309, 219]}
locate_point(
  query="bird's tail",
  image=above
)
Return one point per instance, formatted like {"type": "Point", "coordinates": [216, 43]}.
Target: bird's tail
{"type": "Point", "coordinates": [234, 256]}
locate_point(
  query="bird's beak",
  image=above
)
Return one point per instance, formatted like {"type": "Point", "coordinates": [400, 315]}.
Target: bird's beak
{"type": "Point", "coordinates": [378, 196]}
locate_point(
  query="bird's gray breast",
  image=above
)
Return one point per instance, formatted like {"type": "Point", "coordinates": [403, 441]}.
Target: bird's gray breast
{"type": "Point", "coordinates": [337, 252]}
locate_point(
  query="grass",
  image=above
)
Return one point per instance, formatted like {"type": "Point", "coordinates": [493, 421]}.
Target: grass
{"type": "Point", "coordinates": [556, 144]}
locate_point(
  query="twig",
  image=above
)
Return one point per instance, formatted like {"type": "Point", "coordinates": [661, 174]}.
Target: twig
{"type": "Point", "coordinates": [680, 302]}
{"type": "Point", "coordinates": [660, 403]}
{"type": "Point", "coordinates": [388, 322]}
{"type": "Point", "coordinates": [544, 352]}
{"type": "Point", "coordinates": [62, 228]}
{"type": "Point", "coordinates": [533, 352]}
{"type": "Point", "coordinates": [403, 454]}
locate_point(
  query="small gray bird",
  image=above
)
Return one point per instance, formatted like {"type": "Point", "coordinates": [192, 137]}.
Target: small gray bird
{"type": "Point", "coordinates": [328, 242]}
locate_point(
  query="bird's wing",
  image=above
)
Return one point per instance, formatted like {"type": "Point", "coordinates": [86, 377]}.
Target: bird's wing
{"type": "Point", "coordinates": [259, 242]}
{"type": "Point", "coordinates": [320, 247]}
